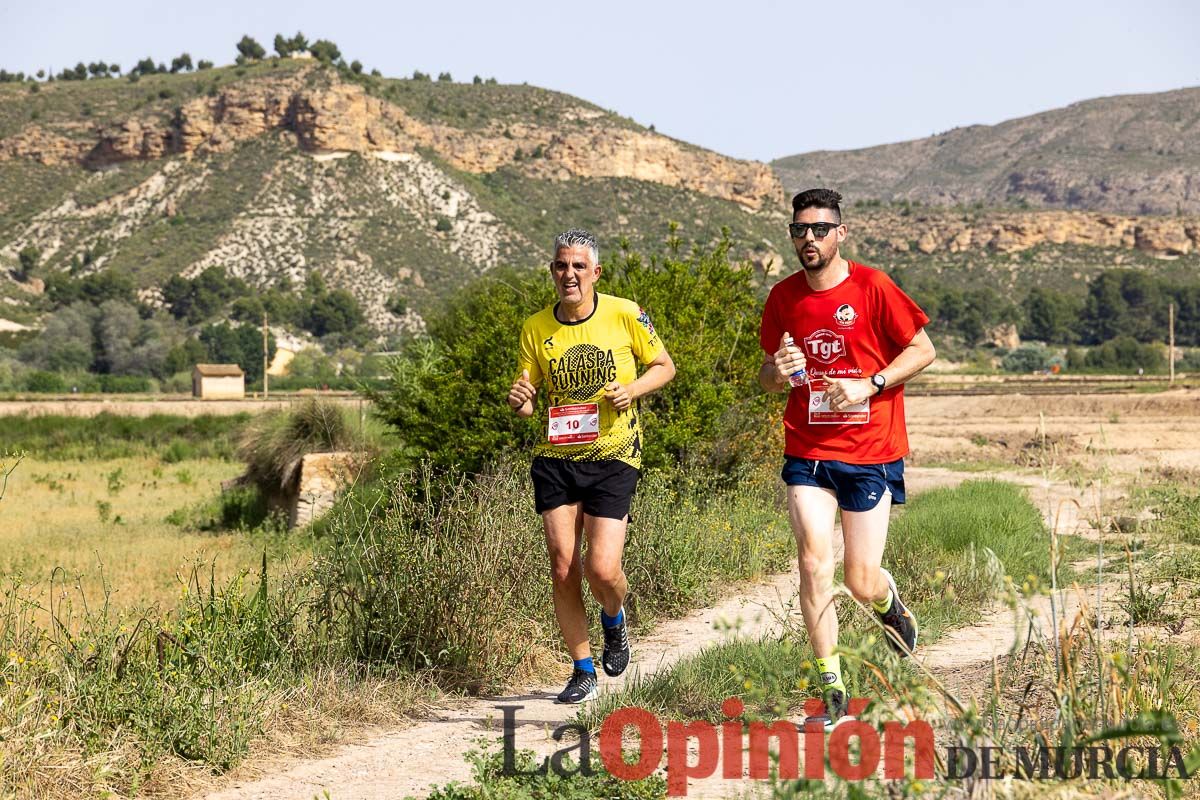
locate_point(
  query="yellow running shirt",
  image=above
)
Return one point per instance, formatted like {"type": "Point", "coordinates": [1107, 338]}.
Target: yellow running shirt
{"type": "Point", "coordinates": [575, 361]}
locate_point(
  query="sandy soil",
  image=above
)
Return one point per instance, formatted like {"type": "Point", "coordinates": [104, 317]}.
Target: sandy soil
{"type": "Point", "coordinates": [1084, 450]}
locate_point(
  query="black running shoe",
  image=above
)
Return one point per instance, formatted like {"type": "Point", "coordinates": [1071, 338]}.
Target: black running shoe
{"type": "Point", "coordinates": [582, 687]}
{"type": "Point", "coordinates": [837, 708]}
{"type": "Point", "coordinates": [616, 649]}
{"type": "Point", "coordinates": [899, 620]}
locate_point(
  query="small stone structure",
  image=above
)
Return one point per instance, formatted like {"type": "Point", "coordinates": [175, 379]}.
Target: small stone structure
{"type": "Point", "coordinates": [218, 382]}
{"type": "Point", "coordinates": [311, 485]}
{"type": "Point", "coordinates": [322, 478]}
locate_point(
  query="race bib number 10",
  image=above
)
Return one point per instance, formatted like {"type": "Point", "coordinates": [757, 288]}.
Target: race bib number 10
{"type": "Point", "coordinates": [577, 424]}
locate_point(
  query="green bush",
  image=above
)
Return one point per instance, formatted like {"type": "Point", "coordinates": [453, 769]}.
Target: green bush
{"type": "Point", "coordinates": [42, 381]}
{"type": "Point", "coordinates": [1026, 358]}
{"type": "Point", "coordinates": [445, 394]}
{"type": "Point", "coordinates": [125, 384]}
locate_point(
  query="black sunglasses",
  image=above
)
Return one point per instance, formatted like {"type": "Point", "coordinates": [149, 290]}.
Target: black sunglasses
{"type": "Point", "coordinates": [819, 229]}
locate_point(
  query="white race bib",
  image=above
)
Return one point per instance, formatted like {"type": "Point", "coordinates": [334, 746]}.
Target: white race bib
{"type": "Point", "coordinates": [819, 412]}
{"type": "Point", "coordinates": [577, 424]}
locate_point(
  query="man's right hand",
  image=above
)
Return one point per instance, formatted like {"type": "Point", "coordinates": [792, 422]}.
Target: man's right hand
{"type": "Point", "coordinates": [789, 359]}
{"type": "Point", "coordinates": [521, 393]}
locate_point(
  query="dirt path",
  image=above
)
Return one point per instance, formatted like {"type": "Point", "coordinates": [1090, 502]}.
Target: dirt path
{"type": "Point", "coordinates": [412, 760]}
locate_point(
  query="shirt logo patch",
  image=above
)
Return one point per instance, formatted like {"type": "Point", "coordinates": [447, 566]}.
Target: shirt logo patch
{"type": "Point", "coordinates": [825, 346]}
{"type": "Point", "coordinates": [845, 315]}
{"type": "Point", "coordinates": [549, 342]}
{"type": "Point", "coordinates": [644, 318]}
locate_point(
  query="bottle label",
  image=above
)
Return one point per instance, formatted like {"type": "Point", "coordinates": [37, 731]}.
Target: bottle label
{"type": "Point", "coordinates": [574, 424]}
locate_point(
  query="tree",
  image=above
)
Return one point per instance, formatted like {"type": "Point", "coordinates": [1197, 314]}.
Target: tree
{"type": "Point", "coordinates": [1050, 316]}
{"type": "Point", "coordinates": [444, 77]}
{"type": "Point", "coordinates": [98, 69]}
{"type": "Point", "coordinates": [356, 67]}
{"type": "Point", "coordinates": [299, 43]}
{"type": "Point", "coordinates": [204, 64]}
{"type": "Point", "coordinates": [202, 297]}
{"type": "Point", "coordinates": [241, 345]}
{"type": "Point", "coordinates": [325, 51]}
{"type": "Point", "coordinates": [65, 344]}
{"type": "Point", "coordinates": [114, 69]}
{"type": "Point", "coordinates": [181, 63]}
{"type": "Point", "coordinates": [144, 67]}
{"type": "Point", "coordinates": [478, 81]}
{"type": "Point", "coordinates": [27, 260]}
{"type": "Point", "coordinates": [333, 312]}
{"type": "Point", "coordinates": [419, 76]}
{"type": "Point", "coordinates": [282, 46]}
{"type": "Point", "coordinates": [250, 49]}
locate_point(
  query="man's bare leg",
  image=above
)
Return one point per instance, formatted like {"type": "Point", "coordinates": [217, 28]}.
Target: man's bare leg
{"type": "Point", "coordinates": [865, 534]}
{"type": "Point", "coordinates": [564, 536]}
{"type": "Point", "coordinates": [602, 567]}
{"type": "Point", "coordinates": [811, 510]}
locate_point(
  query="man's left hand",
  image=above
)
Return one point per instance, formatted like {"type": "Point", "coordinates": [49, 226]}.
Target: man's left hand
{"type": "Point", "coordinates": [843, 392]}
{"type": "Point", "coordinates": [619, 395]}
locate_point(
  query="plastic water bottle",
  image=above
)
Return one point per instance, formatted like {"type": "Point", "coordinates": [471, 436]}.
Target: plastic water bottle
{"type": "Point", "coordinates": [799, 377]}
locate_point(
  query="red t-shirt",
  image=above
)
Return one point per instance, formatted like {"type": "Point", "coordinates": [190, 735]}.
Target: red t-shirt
{"type": "Point", "coordinates": [853, 330]}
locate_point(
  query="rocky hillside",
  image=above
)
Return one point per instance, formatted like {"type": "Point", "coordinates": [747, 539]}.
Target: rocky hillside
{"type": "Point", "coordinates": [1135, 154]}
{"type": "Point", "coordinates": [1010, 250]}
{"type": "Point", "coordinates": [397, 190]}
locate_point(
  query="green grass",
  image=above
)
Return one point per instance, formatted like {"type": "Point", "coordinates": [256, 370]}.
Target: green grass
{"type": "Point", "coordinates": [108, 436]}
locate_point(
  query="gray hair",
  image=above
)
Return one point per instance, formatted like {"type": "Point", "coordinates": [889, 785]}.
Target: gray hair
{"type": "Point", "coordinates": [577, 237]}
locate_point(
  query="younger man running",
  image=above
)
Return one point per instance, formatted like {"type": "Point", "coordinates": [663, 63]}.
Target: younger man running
{"type": "Point", "coordinates": [859, 338]}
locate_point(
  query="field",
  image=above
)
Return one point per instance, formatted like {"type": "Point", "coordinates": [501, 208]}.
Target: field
{"type": "Point", "coordinates": [104, 522]}
{"type": "Point", "coordinates": [1115, 470]}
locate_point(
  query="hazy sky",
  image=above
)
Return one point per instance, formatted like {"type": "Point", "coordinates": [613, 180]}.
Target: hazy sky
{"type": "Point", "coordinates": [751, 78]}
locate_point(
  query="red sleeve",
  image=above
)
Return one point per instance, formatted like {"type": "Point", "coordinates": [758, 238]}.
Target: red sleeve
{"type": "Point", "coordinates": [900, 315]}
{"type": "Point", "coordinates": [770, 331]}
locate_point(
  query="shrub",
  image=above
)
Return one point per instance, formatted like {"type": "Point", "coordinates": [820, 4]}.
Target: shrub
{"type": "Point", "coordinates": [274, 442]}
{"type": "Point", "coordinates": [704, 307]}
{"type": "Point", "coordinates": [1026, 358]}
{"type": "Point", "coordinates": [43, 381]}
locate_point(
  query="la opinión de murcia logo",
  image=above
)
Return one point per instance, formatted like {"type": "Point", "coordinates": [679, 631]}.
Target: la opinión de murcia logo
{"type": "Point", "coordinates": [853, 751]}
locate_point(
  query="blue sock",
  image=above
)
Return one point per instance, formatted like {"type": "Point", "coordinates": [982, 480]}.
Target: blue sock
{"type": "Point", "coordinates": [585, 664]}
{"type": "Point", "coordinates": [612, 622]}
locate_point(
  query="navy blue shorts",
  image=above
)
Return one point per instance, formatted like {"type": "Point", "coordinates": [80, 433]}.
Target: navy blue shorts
{"type": "Point", "coordinates": [859, 487]}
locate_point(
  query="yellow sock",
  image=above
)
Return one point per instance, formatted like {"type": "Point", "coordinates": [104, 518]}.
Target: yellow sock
{"type": "Point", "coordinates": [881, 606]}
{"type": "Point", "coordinates": [831, 671]}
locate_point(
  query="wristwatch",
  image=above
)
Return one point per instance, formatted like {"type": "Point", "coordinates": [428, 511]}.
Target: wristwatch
{"type": "Point", "coordinates": [878, 381]}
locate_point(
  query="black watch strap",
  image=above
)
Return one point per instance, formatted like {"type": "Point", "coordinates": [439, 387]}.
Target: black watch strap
{"type": "Point", "coordinates": [879, 382]}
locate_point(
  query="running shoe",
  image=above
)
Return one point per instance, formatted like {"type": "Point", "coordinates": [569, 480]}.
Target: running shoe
{"type": "Point", "coordinates": [900, 621]}
{"type": "Point", "coordinates": [616, 649]}
{"type": "Point", "coordinates": [582, 687]}
{"type": "Point", "coordinates": [837, 708]}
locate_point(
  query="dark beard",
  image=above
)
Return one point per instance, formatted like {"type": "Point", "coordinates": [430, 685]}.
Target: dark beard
{"type": "Point", "coordinates": [821, 263]}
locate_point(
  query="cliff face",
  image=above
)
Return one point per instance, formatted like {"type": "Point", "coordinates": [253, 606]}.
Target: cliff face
{"type": "Point", "coordinates": [940, 231]}
{"type": "Point", "coordinates": [343, 117]}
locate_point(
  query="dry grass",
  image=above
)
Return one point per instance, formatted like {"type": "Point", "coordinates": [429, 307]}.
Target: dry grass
{"type": "Point", "coordinates": [104, 522]}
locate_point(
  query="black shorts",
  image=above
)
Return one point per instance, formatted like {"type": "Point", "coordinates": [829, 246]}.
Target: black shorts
{"type": "Point", "coordinates": [604, 488]}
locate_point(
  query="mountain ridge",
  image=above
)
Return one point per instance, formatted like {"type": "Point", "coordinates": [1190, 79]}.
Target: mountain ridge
{"type": "Point", "coordinates": [1133, 153]}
